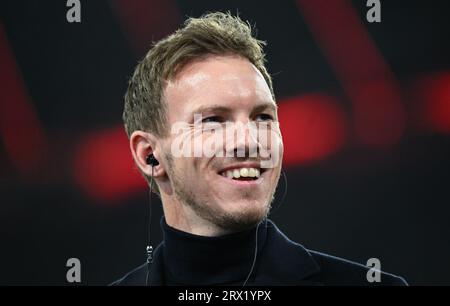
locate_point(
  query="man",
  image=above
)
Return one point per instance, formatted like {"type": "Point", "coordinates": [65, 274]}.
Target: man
{"type": "Point", "coordinates": [207, 84]}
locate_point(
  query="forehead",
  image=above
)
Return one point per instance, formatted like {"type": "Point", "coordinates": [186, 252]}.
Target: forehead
{"type": "Point", "coordinates": [231, 81]}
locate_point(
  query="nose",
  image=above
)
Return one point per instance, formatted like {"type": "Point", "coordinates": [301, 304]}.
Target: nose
{"type": "Point", "coordinates": [242, 140]}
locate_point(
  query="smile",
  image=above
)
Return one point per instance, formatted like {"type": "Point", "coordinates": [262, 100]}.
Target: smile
{"type": "Point", "coordinates": [243, 175]}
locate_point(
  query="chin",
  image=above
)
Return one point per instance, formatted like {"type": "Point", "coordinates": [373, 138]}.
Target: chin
{"type": "Point", "coordinates": [244, 216]}
{"type": "Point", "coordinates": [244, 206]}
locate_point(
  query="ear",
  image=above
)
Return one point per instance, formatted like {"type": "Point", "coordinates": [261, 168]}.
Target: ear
{"type": "Point", "coordinates": [142, 144]}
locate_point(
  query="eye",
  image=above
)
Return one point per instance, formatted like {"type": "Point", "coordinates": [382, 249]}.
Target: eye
{"type": "Point", "coordinates": [212, 119]}
{"type": "Point", "coordinates": [264, 117]}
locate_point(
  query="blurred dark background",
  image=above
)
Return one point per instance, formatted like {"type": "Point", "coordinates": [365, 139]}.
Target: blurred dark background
{"type": "Point", "coordinates": [364, 110]}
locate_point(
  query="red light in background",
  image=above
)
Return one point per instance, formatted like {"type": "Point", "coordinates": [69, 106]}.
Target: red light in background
{"type": "Point", "coordinates": [432, 97]}
{"type": "Point", "coordinates": [104, 168]}
{"type": "Point", "coordinates": [20, 128]}
{"type": "Point", "coordinates": [368, 81]}
{"type": "Point", "coordinates": [144, 21]}
{"type": "Point", "coordinates": [313, 127]}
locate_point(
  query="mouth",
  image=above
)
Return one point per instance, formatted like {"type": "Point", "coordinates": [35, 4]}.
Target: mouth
{"type": "Point", "coordinates": [243, 174]}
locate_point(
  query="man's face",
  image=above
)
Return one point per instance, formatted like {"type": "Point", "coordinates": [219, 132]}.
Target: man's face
{"type": "Point", "coordinates": [219, 91]}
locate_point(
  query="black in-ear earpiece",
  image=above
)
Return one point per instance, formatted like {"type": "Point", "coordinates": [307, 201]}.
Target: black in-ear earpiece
{"type": "Point", "coordinates": [151, 160]}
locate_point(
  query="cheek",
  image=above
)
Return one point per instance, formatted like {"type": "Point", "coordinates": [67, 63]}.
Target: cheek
{"type": "Point", "coordinates": [195, 173]}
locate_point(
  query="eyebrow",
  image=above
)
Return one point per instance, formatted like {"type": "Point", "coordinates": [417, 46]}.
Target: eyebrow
{"type": "Point", "coordinates": [222, 109]}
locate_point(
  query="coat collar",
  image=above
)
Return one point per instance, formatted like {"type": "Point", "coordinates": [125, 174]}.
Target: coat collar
{"type": "Point", "coordinates": [285, 262]}
{"type": "Point", "coordinates": [282, 262]}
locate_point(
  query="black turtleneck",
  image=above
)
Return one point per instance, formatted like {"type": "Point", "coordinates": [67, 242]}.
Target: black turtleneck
{"type": "Point", "coordinates": [186, 259]}
{"type": "Point", "coordinates": [199, 260]}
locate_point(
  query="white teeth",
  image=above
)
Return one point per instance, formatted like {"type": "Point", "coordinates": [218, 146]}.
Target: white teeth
{"type": "Point", "coordinates": [242, 172]}
{"type": "Point", "coordinates": [251, 172]}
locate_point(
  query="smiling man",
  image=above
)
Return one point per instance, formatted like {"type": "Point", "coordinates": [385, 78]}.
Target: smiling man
{"type": "Point", "coordinates": [206, 87]}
